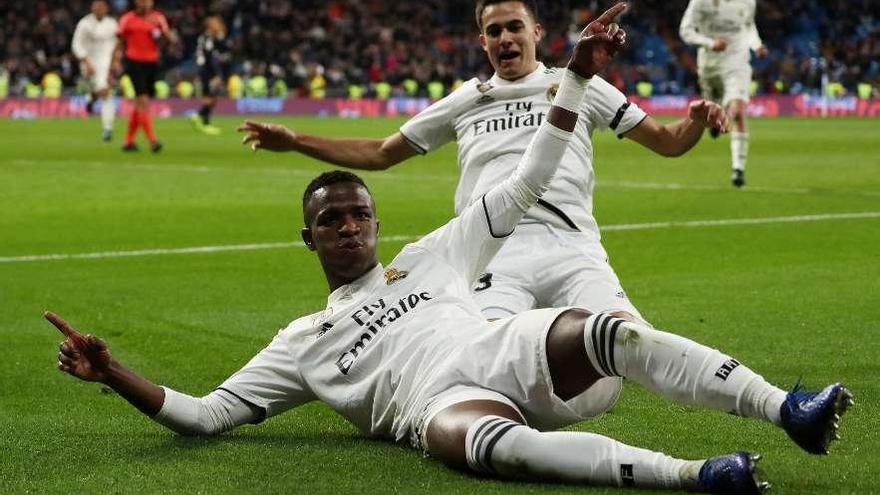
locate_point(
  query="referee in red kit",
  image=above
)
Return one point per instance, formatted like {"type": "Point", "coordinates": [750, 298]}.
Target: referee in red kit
{"type": "Point", "coordinates": [139, 32]}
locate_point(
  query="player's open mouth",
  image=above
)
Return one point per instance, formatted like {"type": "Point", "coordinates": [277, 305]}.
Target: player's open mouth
{"type": "Point", "coordinates": [508, 56]}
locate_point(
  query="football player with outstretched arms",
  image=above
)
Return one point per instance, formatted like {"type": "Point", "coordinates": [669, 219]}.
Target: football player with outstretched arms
{"type": "Point", "coordinates": [94, 40]}
{"type": "Point", "coordinates": [493, 121]}
{"type": "Point", "coordinates": [404, 353]}
{"type": "Point", "coordinates": [725, 33]}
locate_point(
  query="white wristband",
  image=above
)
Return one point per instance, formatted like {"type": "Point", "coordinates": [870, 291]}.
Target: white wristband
{"type": "Point", "coordinates": [571, 91]}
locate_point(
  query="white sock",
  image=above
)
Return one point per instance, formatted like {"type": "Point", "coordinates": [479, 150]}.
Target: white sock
{"type": "Point", "coordinates": [108, 111]}
{"type": "Point", "coordinates": [679, 368]}
{"type": "Point", "coordinates": [739, 149]}
{"type": "Point", "coordinates": [499, 446]}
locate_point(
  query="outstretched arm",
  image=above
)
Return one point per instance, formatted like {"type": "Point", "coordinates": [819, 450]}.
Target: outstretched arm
{"type": "Point", "coordinates": [677, 138]}
{"type": "Point", "coordinates": [87, 357]}
{"type": "Point", "coordinates": [364, 154]}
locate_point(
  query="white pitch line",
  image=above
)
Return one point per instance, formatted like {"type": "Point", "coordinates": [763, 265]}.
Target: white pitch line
{"type": "Point", "coordinates": [409, 238]}
{"type": "Point", "coordinates": [165, 251]}
{"type": "Point", "coordinates": [664, 186]}
{"type": "Point", "coordinates": [743, 221]}
{"type": "Point", "coordinates": [171, 167]}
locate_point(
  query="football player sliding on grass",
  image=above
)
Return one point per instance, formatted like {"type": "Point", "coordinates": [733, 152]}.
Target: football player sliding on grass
{"type": "Point", "coordinates": [404, 353]}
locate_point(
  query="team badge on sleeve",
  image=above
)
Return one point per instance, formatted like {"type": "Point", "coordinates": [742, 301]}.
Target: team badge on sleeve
{"type": "Point", "coordinates": [393, 275]}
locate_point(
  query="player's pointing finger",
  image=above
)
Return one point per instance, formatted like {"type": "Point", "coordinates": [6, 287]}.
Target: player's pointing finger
{"type": "Point", "coordinates": [60, 324]}
{"type": "Point", "coordinates": [611, 13]}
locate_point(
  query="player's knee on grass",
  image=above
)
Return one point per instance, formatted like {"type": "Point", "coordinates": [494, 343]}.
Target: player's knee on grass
{"type": "Point", "coordinates": [447, 432]}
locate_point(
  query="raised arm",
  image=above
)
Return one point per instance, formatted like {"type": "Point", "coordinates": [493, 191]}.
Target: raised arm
{"type": "Point", "coordinates": [676, 138]}
{"type": "Point", "coordinates": [363, 154]}
{"type": "Point", "coordinates": [87, 357]}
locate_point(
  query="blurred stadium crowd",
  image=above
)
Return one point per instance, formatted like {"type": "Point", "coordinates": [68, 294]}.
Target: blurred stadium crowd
{"type": "Point", "coordinates": [314, 48]}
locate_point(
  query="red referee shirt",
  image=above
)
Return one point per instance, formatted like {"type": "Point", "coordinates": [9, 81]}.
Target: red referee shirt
{"type": "Point", "coordinates": [141, 35]}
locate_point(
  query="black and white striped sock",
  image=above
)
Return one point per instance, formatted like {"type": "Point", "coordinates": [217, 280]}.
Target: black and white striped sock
{"type": "Point", "coordinates": [600, 334]}
{"type": "Point", "coordinates": [500, 447]}
{"type": "Point", "coordinates": [678, 368]}
{"type": "Point", "coordinates": [482, 437]}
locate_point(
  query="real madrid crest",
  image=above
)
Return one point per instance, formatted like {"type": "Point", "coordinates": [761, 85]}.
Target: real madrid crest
{"type": "Point", "coordinates": [551, 92]}
{"type": "Point", "coordinates": [483, 88]}
{"type": "Point", "coordinates": [393, 275]}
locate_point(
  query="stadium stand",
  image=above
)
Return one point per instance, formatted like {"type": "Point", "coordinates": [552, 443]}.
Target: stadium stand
{"type": "Point", "coordinates": [349, 48]}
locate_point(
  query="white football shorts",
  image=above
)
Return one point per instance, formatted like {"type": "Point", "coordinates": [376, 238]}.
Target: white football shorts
{"type": "Point", "coordinates": [541, 266]}
{"type": "Point", "coordinates": [506, 361]}
{"type": "Point", "coordinates": [100, 80]}
{"type": "Point", "coordinates": [726, 83]}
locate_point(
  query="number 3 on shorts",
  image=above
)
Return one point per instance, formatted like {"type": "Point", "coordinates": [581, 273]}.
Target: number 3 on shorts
{"type": "Point", "coordinates": [485, 281]}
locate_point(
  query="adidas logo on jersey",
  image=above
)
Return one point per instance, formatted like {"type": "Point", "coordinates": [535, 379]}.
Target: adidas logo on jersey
{"type": "Point", "coordinates": [393, 275]}
{"type": "Point", "coordinates": [324, 329]}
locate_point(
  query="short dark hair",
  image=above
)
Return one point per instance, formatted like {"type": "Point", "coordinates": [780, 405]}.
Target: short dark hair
{"type": "Point", "coordinates": [530, 5]}
{"type": "Point", "coordinates": [326, 179]}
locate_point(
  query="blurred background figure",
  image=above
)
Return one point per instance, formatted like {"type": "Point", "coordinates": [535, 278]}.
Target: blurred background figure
{"type": "Point", "coordinates": [726, 34]}
{"type": "Point", "coordinates": [139, 33]}
{"type": "Point", "coordinates": [213, 58]}
{"type": "Point", "coordinates": [94, 41]}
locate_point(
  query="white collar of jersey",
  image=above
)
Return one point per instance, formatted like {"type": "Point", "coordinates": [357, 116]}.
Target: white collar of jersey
{"type": "Point", "coordinates": [346, 293]}
{"type": "Point", "coordinates": [497, 81]}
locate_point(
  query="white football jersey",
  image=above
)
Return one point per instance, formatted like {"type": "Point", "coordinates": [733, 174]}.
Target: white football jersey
{"type": "Point", "coordinates": [733, 20]}
{"type": "Point", "coordinates": [494, 121]}
{"type": "Point", "coordinates": [372, 351]}
{"type": "Point", "coordinates": [95, 40]}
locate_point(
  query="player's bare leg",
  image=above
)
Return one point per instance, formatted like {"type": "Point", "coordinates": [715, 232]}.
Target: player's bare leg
{"type": "Point", "coordinates": [490, 437]}
{"type": "Point", "coordinates": [108, 112]}
{"type": "Point", "coordinates": [202, 120]}
{"type": "Point", "coordinates": [739, 141]}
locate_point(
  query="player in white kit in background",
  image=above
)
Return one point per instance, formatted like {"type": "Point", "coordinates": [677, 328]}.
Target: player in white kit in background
{"type": "Point", "coordinates": [403, 352]}
{"type": "Point", "coordinates": [725, 32]}
{"type": "Point", "coordinates": [493, 122]}
{"type": "Point", "coordinates": [94, 41]}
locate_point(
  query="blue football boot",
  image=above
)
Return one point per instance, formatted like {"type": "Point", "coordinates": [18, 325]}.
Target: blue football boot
{"type": "Point", "coordinates": [734, 473]}
{"type": "Point", "coordinates": [811, 419]}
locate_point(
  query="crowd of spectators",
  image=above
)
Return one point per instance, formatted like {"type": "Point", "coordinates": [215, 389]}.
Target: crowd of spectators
{"type": "Point", "coordinates": [340, 43]}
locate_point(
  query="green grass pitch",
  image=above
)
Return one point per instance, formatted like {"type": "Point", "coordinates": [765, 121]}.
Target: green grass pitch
{"type": "Point", "coordinates": [789, 297]}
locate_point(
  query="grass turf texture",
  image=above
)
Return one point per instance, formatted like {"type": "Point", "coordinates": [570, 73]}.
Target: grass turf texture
{"type": "Point", "coordinates": [787, 299]}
